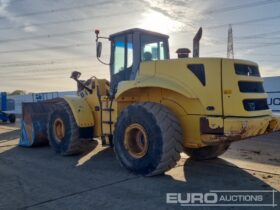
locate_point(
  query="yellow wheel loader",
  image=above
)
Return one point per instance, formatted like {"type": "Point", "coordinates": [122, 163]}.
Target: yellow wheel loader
{"type": "Point", "coordinates": [155, 107]}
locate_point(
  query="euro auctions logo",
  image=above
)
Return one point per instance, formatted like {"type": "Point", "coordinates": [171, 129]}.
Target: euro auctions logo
{"type": "Point", "coordinates": [224, 198]}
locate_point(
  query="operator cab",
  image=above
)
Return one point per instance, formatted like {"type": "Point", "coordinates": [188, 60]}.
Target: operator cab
{"type": "Point", "coordinates": [131, 47]}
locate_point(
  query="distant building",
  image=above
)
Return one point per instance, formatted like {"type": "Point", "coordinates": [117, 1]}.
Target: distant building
{"type": "Point", "coordinates": [34, 97]}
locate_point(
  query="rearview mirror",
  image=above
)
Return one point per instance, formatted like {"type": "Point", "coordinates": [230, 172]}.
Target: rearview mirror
{"type": "Point", "coordinates": [98, 49]}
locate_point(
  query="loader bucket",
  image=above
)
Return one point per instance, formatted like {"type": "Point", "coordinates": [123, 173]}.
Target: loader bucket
{"type": "Point", "coordinates": [34, 122]}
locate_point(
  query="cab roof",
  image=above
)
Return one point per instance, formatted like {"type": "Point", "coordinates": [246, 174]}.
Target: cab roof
{"type": "Point", "coordinates": [138, 30]}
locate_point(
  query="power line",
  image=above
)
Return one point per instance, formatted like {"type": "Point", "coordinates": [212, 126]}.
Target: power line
{"type": "Point", "coordinates": [246, 37]}
{"type": "Point", "coordinates": [47, 70]}
{"type": "Point", "coordinates": [41, 62]}
{"type": "Point", "coordinates": [46, 36]}
{"type": "Point", "coordinates": [241, 6]}
{"type": "Point", "coordinates": [52, 22]}
{"type": "Point", "coordinates": [242, 42]}
{"type": "Point", "coordinates": [70, 33]}
{"type": "Point", "coordinates": [59, 9]}
{"type": "Point", "coordinates": [68, 20]}
{"type": "Point", "coordinates": [13, 1]}
{"type": "Point", "coordinates": [49, 77]}
{"type": "Point", "coordinates": [258, 39]}
{"type": "Point", "coordinates": [32, 64]}
{"type": "Point", "coordinates": [266, 54]}
{"type": "Point", "coordinates": [267, 60]}
{"type": "Point", "coordinates": [264, 45]}
{"type": "Point", "coordinates": [47, 48]}
{"type": "Point", "coordinates": [52, 73]}
{"type": "Point", "coordinates": [258, 35]}
{"type": "Point", "coordinates": [243, 22]}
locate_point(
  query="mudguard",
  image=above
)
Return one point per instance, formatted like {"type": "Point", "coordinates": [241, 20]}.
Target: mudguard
{"type": "Point", "coordinates": [155, 82]}
{"type": "Point", "coordinates": [81, 111]}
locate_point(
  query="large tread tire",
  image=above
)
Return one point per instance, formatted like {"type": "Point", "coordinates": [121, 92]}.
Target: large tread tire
{"type": "Point", "coordinates": [208, 152]}
{"type": "Point", "coordinates": [12, 118]}
{"type": "Point", "coordinates": [164, 136]}
{"type": "Point", "coordinates": [70, 144]}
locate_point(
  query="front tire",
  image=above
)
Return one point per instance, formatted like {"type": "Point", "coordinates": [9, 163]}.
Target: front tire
{"type": "Point", "coordinates": [208, 152]}
{"type": "Point", "coordinates": [147, 139]}
{"type": "Point", "coordinates": [63, 131]}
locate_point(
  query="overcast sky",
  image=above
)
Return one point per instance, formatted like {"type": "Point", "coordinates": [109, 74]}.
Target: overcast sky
{"type": "Point", "coordinates": [42, 41]}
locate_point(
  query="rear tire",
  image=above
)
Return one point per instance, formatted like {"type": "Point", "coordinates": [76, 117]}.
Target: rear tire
{"type": "Point", "coordinates": [208, 152]}
{"type": "Point", "coordinates": [63, 131]}
{"type": "Point", "coordinates": [147, 139]}
{"type": "Point", "coordinates": [12, 118]}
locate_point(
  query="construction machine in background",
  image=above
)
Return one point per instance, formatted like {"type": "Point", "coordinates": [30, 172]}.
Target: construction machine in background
{"type": "Point", "coordinates": [155, 107]}
{"type": "Point", "coordinates": [5, 115]}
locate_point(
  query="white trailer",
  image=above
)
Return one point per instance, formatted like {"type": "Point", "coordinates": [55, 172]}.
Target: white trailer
{"type": "Point", "coordinates": [272, 87]}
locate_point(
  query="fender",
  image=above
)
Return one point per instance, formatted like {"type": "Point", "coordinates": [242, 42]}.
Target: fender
{"type": "Point", "coordinates": [159, 82]}
{"type": "Point", "coordinates": [81, 111]}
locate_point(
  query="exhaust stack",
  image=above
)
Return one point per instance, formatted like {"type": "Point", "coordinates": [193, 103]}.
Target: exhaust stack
{"type": "Point", "coordinates": [196, 40]}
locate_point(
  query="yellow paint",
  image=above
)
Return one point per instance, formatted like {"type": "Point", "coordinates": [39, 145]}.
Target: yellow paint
{"type": "Point", "coordinates": [246, 127]}
{"type": "Point", "coordinates": [174, 85]}
{"type": "Point", "coordinates": [242, 128]}
{"type": "Point", "coordinates": [233, 105]}
{"type": "Point", "coordinates": [227, 92]}
{"type": "Point", "coordinates": [93, 101]}
{"type": "Point", "coordinates": [81, 111]}
{"type": "Point", "coordinates": [174, 75]}
{"type": "Point", "coordinates": [215, 122]}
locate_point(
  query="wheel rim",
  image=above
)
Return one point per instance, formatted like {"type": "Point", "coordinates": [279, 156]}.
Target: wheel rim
{"type": "Point", "coordinates": [59, 129]}
{"type": "Point", "coordinates": [136, 140]}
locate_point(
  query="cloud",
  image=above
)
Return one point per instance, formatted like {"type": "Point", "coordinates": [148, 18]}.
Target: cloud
{"type": "Point", "coordinates": [3, 7]}
{"type": "Point", "coordinates": [152, 18]}
{"type": "Point", "coordinates": [30, 28]}
{"type": "Point", "coordinates": [268, 70]}
{"type": "Point", "coordinates": [181, 11]}
{"type": "Point", "coordinates": [6, 14]}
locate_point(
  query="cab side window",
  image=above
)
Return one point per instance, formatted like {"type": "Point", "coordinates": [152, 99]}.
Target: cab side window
{"type": "Point", "coordinates": [129, 59]}
{"type": "Point", "coordinates": [152, 49]}
{"type": "Point", "coordinates": [119, 54]}
{"type": "Point", "coordinates": [123, 53]}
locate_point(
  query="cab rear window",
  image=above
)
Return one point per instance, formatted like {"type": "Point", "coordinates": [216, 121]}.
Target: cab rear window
{"type": "Point", "coordinates": [246, 70]}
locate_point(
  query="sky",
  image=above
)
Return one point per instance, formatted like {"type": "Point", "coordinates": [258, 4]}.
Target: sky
{"type": "Point", "coordinates": [43, 41]}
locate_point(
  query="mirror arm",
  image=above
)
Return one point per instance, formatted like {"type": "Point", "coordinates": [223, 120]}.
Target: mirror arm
{"type": "Point", "coordinates": [99, 37]}
{"type": "Point", "coordinates": [108, 64]}
{"type": "Point", "coordinates": [96, 40]}
{"type": "Point", "coordinates": [102, 37]}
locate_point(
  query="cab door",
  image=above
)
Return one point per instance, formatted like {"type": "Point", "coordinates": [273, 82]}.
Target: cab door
{"type": "Point", "coordinates": [121, 60]}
